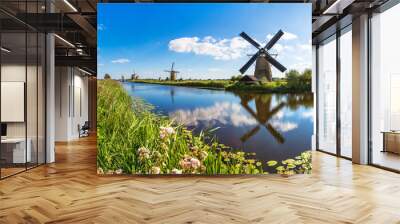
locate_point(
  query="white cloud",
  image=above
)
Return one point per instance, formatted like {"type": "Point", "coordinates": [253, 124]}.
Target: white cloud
{"type": "Point", "coordinates": [301, 66]}
{"type": "Point", "coordinates": [305, 47]}
{"type": "Point", "coordinates": [214, 69]}
{"type": "Point", "coordinates": [101, 27]}
{"type": "Point", "coordinates": [120, 61]}
{"type": "Point", "coordinates": [227, 113]}
{"type": "Point", "coordinates": [225, 49]}
{"type": "Point", "coordinates": [279, 48]}
{"type": "Point", "coordinates": [289, 36]}
{"type": "Point", "coordinates": [308, 115]}
{"type": "Point", "coordinates": [100, 64]}
{"type": "Point", "coordinates": [210, 39]}
{"type": "Point", "coordinates": [284, 126]}
{"type": "Point", "coordinates": [220, 112]}
{"type": "Point", "coordinates": [286, 36]}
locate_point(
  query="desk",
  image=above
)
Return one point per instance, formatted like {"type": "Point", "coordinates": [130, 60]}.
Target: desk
{"type": "Point", "coordinates": [391, 141]}
{"type": "Point", "coordinates": [16, 147]}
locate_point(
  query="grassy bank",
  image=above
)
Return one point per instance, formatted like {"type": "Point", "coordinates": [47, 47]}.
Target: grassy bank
{"type": "Point", "coordinates": [211, 84]}
{"type": "Point", "coordinates": [133, 140]}
{"type": "Point", "coordinates": [266, 87]}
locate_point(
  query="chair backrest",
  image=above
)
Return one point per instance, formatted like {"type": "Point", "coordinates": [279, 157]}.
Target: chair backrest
{"type": "Point", "coordinates": [86, 125]}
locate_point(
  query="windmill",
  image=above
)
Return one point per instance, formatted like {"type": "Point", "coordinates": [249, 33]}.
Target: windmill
{"type": "Point", "coordinates": [172, 72]}
{"type": "Point", "coordinates": [134, 75]}
{"type": "Point", "coordinates": [263, 58]}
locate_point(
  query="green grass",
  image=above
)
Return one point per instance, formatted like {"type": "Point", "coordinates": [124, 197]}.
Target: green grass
{"type": "Point", "coordinates": [133, 140]}
{"type": "Point", "coordinates": [212, 84]}
{"type": "Point", "coordinates": [265, 87]}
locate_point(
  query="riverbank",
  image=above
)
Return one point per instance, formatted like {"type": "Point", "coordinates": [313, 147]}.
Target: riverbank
{"type": "Point", "coordinates": [234, 86]}
{"type": "Point", "coordinates": [133, 140]}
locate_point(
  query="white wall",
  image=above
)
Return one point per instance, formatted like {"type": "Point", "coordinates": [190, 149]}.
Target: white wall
{"type": "Point", "coordinates": [62, 82]}
{"type": "Point", "coordinates": [17, 72]}
{"type": "Point", "coordinates": [346, 75]}
{"type": "Point", "coordinates": [314, 90]}
{"type": "Point", "coordinates": [33, 126]}
{"type": "Point", "coordinates": [327, 96]}
{"type": "Point", "coordinates": [71, 94]}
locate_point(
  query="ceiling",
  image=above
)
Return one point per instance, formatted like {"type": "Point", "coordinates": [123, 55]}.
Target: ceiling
{"type": "Point", "coordinates": [331, 15]}
{"type": "Point", "coordinates": [73, 21]}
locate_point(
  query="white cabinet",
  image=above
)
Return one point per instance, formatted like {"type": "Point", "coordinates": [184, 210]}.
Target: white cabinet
{"type": "Point", "coordinates": [19, 155]}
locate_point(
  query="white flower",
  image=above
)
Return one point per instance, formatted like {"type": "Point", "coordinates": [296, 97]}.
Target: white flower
{"type": "Point", "coordinates": [162, 135]}
{"type": "Point", "coordinates": [185, 164]}
{"type": "Point", "coordinates": [176, 171]}
{"type": "Point", "coordinates": [155, 170]}
{"type": "Point", "coordinates": [100, 170]}
{"type": "Point", "coordinates": [166, 131]}
{"type": "Point", "coordinates": [170, 130]}
{"type": "Point", "coordinates": [195, 163]}
{"type": "Point", "coordinates": [144, 153]}
{"type": "Point", "coordinates": [119, 171]}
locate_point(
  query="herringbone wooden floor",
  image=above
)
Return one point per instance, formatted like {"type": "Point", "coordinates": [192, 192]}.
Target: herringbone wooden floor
{"type": "Point", "coordinates": [69, 191]}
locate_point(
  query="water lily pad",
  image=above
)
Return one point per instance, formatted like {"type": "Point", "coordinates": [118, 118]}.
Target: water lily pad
{"type": "Point", "coordinates": [272, 163]}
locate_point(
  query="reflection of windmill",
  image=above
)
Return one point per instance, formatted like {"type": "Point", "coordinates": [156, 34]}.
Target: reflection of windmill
{"type": "Point", "coordinates": [263, 114]}
{"type": "Point", "coordinates": [172, 93]}
{"type": "Point", "coordinates": [172, 72]}
{"type": "Point", "coordinates": [263, 58]}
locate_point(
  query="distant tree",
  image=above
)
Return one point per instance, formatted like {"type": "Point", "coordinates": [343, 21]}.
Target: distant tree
{"type": "Point", "coordinates": [122, 78]}
{"type": "Point", "coordinates": [107, 76]}
{"type": "Point", "coordinates": [306, 76]}
{"type": "Point", "coordinates": [236, 78]}
{"type": "Point", "coordinates": [299, 81]}
{"type": "Point", "coordinates": [292, 74]}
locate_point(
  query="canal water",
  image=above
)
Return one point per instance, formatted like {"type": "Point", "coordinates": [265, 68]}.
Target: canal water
{"type": "Point", "coordinates": [274, 126]}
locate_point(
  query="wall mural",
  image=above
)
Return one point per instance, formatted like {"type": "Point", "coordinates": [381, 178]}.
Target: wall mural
{"type": "Point", "coordinates": [236, 97]}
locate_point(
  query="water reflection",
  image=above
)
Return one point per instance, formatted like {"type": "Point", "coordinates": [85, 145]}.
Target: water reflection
{"type": "Point", "coordinates": [220, 113]}
{"type": "Point", "coordinates": [274, 126]}
{"type": "Point", "coordinates": [264, 114]}
{"type": "Point", "coordinates": [172, 94]}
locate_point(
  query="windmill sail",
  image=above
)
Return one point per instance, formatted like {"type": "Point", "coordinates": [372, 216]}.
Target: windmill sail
{"type": "Point", "coordinates": [262, 58]}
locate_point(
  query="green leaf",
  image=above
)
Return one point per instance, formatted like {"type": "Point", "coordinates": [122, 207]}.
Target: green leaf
{"type": "Point", "coordinates": [280, 168]}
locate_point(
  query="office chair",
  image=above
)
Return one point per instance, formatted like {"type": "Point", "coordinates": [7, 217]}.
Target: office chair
{"type": "Point", "coordinates": [84, 130]}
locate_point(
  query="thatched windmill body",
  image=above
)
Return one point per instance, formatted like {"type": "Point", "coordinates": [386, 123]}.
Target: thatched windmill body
{"type": "Point", "coordinates": [134, 75]}
{"type": "Point", "coordinates": [172, 72]}
{"type": "Point", "coordinates": [263, 58]}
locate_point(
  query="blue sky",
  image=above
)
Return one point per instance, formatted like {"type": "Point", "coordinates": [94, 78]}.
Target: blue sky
{"type": "Point", "coordinates": [202, 39]}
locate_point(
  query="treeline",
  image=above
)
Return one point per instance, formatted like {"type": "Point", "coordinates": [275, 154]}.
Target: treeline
{"type": "Point", "coordinates": [299, 81]}
{"type": "Point", "coordinates": [293, 81]}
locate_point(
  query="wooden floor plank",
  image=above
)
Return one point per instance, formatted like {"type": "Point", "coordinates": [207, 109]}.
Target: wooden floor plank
{"type": "Point", "coordinates": [69, 191]}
